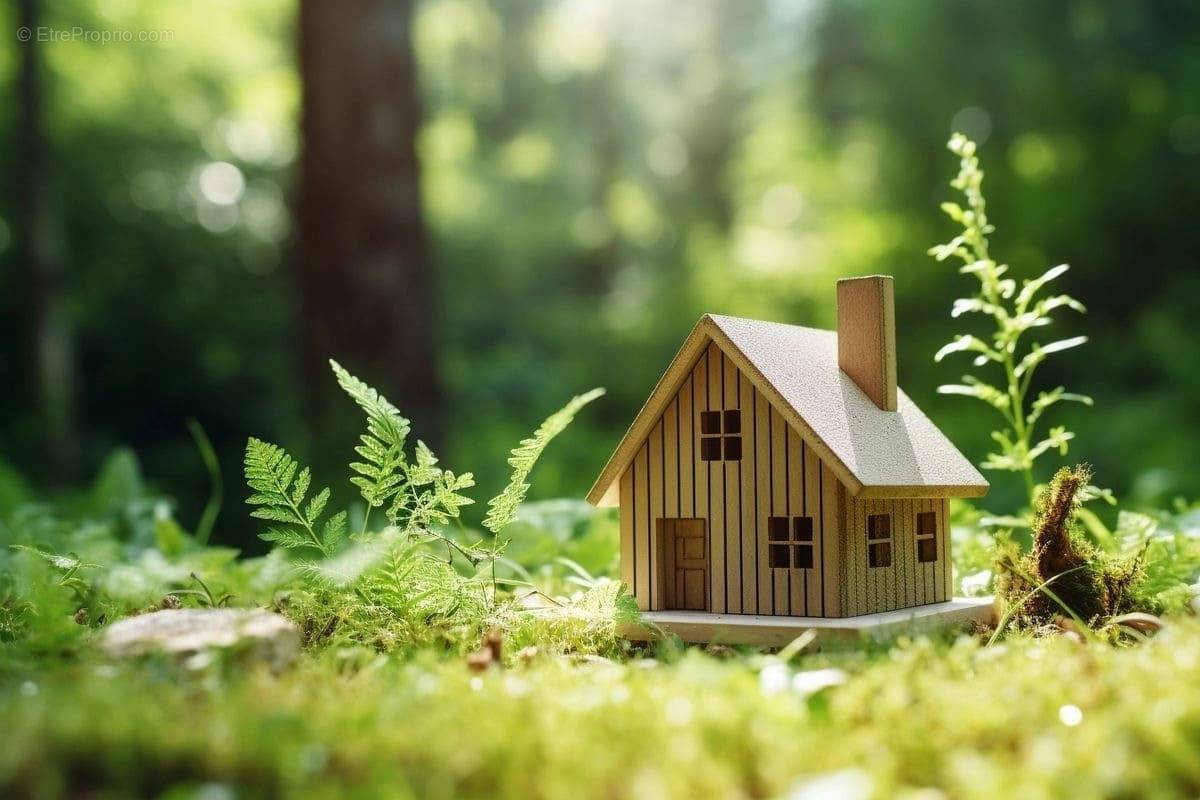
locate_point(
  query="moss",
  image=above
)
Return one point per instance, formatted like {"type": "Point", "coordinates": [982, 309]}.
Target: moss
{"type": "Point", "coordinates": [1035, 718]}
{"type": "Point", "coordinates": [1069, 568]}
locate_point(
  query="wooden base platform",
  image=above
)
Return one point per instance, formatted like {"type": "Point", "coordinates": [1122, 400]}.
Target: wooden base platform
{"type": "Point", "coordinates": [775, 631]}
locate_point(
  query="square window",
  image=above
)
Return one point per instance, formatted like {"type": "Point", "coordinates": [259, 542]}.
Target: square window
{"type": "Point", "coordinates": [927, 550]}
{"type": "Point", "coordinates": [778, 556]}
{"type": "Point", "coordinates": [879, 526]}
{"type": "Point", "coordinates": [879, 554]}
{"type": "Point", "coordinates": [802, 529]}
{"type": "Point", "coordinates": [733, 448]}
{"type": "Point", "coordinates": [710, 421]}
{"type": "Point", "coordinates": [710, 449]}
{"type": "Point", "coordinates": [802, 556]}
{"type": "Point", "coordinates": [777, 529]}
{"type": "Point", "coordinates": [926, 523]}
{"type": "Point", "coordinates": [733, 422]}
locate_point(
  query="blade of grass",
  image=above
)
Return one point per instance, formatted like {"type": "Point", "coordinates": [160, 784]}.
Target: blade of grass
{"type": "Point", "coordinates": [1044, 588]}
{"type": "Point", "coordinates": [208, 517]}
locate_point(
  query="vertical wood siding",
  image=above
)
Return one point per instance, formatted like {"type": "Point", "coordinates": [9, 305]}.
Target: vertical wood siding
{"type": "Point", "coordinates": [778, 475]}
{"type": "Point", "coordinates": [907, 582]}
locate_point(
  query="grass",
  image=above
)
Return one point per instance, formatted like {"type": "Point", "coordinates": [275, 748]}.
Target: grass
{"type": "Point", "coordinates": [1032, 718]}
{"type": "Point", "coordinates": [383, 701]}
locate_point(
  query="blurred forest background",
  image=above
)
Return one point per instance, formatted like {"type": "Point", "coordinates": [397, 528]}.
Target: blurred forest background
{"type": "Point", "coordinates": [485, 206]}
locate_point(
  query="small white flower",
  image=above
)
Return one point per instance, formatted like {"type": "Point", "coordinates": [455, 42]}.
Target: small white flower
{"type": "Point", "coordinates": [679, 712]}
{"type": "Point", "coordinates": [1070, 715]}
{"type": "Point", "coordinates": [848, 784]}
{"type": "Point", "coordinates": [774, 678]}
{"type": "Point", "coordinates": [813, 681]}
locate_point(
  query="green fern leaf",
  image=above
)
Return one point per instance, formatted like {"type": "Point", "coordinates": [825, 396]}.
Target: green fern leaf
{"type": "Point", "coordinates": [382, 447]}
{"type": "Point", "coordinates": [502, 509]}
{"type": "Point", "coordinates": [334, 531]}
{"type": "Point", "coordinates": [278, 498]}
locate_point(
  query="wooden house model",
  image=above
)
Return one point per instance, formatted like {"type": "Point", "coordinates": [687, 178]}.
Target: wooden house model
{"type": "Point", "coordinates": [777, 478]}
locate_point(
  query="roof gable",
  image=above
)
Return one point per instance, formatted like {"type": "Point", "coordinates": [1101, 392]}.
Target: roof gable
{"type": "Point", "coordinates": [875, 453]}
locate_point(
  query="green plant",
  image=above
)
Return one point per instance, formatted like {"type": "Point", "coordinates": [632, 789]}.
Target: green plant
{"type": "Point", "coordinates": [205, 594]}
{"type": "Point", "coordinates": [502, 509]}
{"type": "Point", "coordinates": [212, 508]}
{"type": "Point", "coordinates": [386, 590]}
{"type": "Point", "coordinates": [1090, 584]}
{"type": "Point", "coordinates": [1015, 313]}
{"type": "Point", "coordinates": [280, 496]}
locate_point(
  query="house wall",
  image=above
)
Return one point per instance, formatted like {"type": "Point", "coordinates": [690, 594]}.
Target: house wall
{"type": "Point", "coordinates": [907, 582]}
{"type": "Point", "coordinates": [778, 475]}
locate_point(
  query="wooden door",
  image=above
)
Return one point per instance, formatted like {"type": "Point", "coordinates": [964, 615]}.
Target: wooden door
{"type": "Point", "coordinates": [686, 545]}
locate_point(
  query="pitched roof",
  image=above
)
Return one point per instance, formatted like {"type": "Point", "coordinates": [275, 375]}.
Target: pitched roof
{"type": "Point", "coordinates": [875, 453]}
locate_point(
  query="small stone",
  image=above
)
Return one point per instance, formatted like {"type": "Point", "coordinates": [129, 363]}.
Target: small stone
{"type": "Point", "coordinates": [264, 635]}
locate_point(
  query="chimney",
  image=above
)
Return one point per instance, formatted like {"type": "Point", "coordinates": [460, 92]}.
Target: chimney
{"type": "Point", "coordinates": [866, 334]}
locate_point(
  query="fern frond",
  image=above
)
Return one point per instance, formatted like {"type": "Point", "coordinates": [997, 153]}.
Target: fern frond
{"type": "Point", "coordinates": [279, 496]}
{"type": "Point", "coordinates": [502, 509]}
{"type": "Point", "coordinates": [379, 474]}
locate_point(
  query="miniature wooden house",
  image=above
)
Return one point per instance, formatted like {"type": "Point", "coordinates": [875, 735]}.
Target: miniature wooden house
{"type": "Point", "coordinates": [778, 470]}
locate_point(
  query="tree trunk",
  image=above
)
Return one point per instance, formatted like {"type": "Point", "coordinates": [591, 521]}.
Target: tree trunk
{"type": "Point", "coordinates": [49, 340]}
{"type": "Point", "coordinates": [367, 288]}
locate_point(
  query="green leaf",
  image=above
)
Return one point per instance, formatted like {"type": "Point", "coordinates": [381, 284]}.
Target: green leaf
{"type": "Point", "coordinates": [382, 446]}
{"type": "Point", "coordinates": [1032, 287]}
{"type": "Point", "coordinates": [334, 531]}
{"type": "Point", "coordinates": [502, 509]}
{"type": "Point", "coordinates": [968, 343]}
{"type": "Point", "coordinates": [276, 498]}
{"type": "Point", "coordinates": [953, 210]}
{"type": "Point", "coordinates": [1057, 439]}
{"type": "Point", "coordinates": [1039, 352]}
{"type": "Point", "coordinates": [988, 394]}
{"type": "Point", "coordinates": [316, 506]}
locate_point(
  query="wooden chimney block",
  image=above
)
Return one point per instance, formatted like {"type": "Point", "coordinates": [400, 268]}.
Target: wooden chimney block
{"type": "Point", "coordinates": [866, 314]}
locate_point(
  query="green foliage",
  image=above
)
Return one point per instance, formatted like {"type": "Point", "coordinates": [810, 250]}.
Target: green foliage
{"type": "Point", "coordinates": [208, 518]}
{"type": "Point", "coordinates": [917, 718]}
{"type": "Point", "coordinates": [389, 590]}
{"type": "Point", "coordinates": [389, 594]}
{"type": "Point", "coordinates": [280, 496]}
{"type": "Point", "coordinates": [502, 509]}
{"type": "Point", "coordinates": [1089, 584]}
{"type": "Point", "coordinates": [381, 447]}
{"type": "Point", "coordinates": [421, 493]}
{"type": "Point", "coordinates": [1014, 313]}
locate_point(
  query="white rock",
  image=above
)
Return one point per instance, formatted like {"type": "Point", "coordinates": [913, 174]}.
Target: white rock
{"type": "Point", "coordinates": [266, 635]}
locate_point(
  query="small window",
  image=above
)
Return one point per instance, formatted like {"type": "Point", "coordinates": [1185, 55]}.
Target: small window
{"type": "Point", "coordinates": [802, 529]}
{"type": "Point", "coordinates": [926, 550]}
{"type": "Point", "coordinates": [927, 537]}
{"type": "Point", "coordinates": [721, 435]}
{"type": "Point", "coordinates": [789, 542]}
{"type": "Point", "coordinates": [777, 529]}
{"type": "Point", "coordinates": [879, 526]}
{"type": "Point", "coordinates": [733, 448]}
{"type": "Point", "coordinates": [879, 540]}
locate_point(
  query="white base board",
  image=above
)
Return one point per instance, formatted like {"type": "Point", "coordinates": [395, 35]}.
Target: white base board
{"type": "Point", "coordinates": [777, 631]}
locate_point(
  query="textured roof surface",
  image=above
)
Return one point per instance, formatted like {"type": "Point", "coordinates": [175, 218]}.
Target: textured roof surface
{"type": "Point", "coordinates": [875, 452]}
{"type": "Point", "coordinates": [880, 448]}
